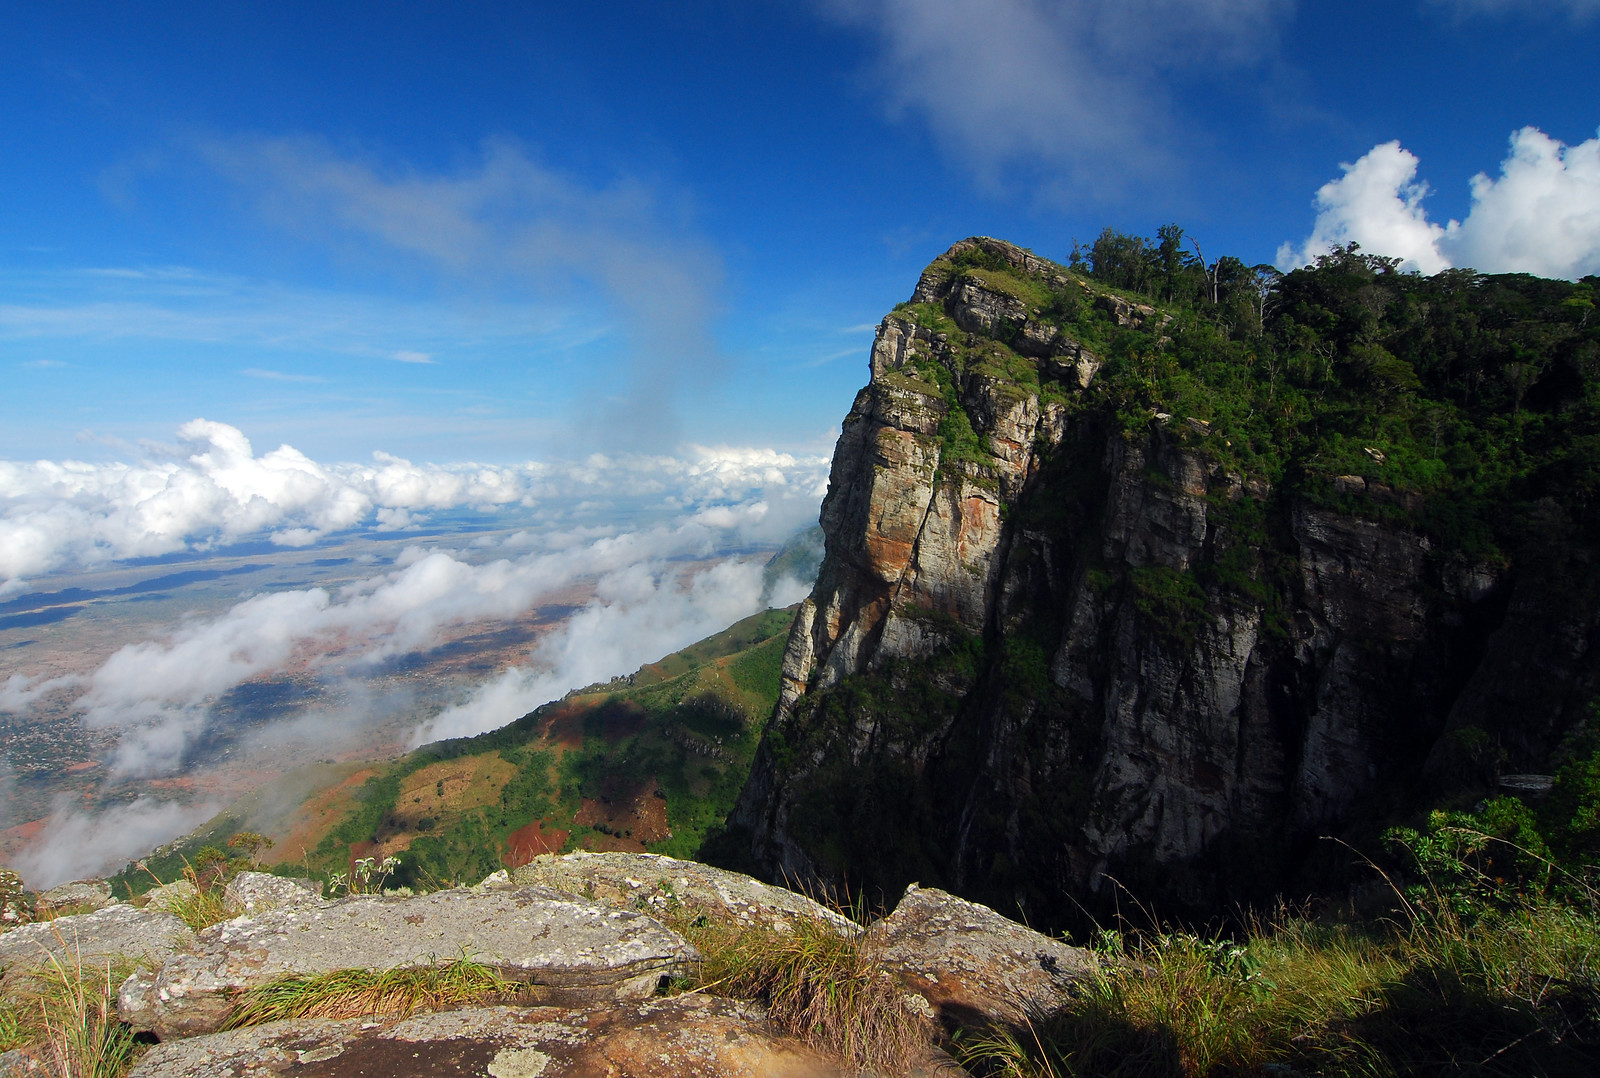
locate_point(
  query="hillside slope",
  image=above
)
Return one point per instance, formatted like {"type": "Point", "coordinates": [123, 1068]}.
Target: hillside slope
{"type": "Point", "coordinates": [647, 762]}
{"type": "Point", "coordinates": [1120, 592]}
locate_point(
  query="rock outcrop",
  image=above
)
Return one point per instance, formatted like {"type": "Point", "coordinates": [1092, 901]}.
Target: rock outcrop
{"type": "Point", "coordinates": [594, 964]}
{"type": "Point", "coordinates": [1049, 646]}
{"type": "Point", "coordinates": [115, 933]}
{"type": "Point", "coordinates": [973, 966]}
{"type": "Point", "coordinates": [683, 1036]}
{"type": "Point", "coordinates": [667, 886]}
{"type": "Point", "coordinates": [573, 950]}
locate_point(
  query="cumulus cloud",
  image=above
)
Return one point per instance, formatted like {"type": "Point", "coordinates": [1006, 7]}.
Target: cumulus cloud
{"type": "Point", "coordinates": [1541, 215]}
{"type": "Point", "coordinates": [212, 489]}
{"type": "Point", "coordinates": [1067, 84]}
{"type": "Point", "coordinates": [1378, 204]}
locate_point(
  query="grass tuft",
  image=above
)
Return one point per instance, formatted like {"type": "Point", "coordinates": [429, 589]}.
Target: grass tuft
{"type": "Point", "coordinates": [1433, 995]}
{"type": "Point", "coordinates": [396, 993]}
{"type": "Point", "coordinates": [830, 991]}
{"type": "Point", "coordinates": [64, 1017]}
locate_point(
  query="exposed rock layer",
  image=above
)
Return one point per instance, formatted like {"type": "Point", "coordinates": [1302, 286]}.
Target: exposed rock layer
{"type": "Point", "coordinates": [1011, 678]}
{"type": "Point", "coordinates": [682, 1036]}
{"type": "Point", "coordinates": [577, 951]}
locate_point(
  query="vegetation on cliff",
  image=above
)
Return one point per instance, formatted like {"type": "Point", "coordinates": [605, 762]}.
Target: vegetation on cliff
{"type": "Point", "coordinates": [1278, 555]}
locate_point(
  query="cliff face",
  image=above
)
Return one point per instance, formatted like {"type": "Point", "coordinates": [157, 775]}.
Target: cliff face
{"type": "Point", "coordinates": [1049, 645]}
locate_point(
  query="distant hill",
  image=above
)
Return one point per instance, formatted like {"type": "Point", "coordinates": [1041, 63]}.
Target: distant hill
{"type": "Point", "coordinates": [647, 762]}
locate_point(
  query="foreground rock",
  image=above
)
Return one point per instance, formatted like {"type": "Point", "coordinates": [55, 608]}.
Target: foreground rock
{"type": "Point", "coordinates": [256, 892]}
{"type": "Point", "coordinates": [117, 932]}
{"type": "Point", "coordinates": [679, 1037]}
{"type": "Point", "coordinates": [579, 951]}
{"type": "Point", "coordinates": [972, 965]}
{"type": "Point", "coordinates": [665, 885]}
{"type": "Point", "coordinates": [82, 895]}
{"type": "Point", "coordinates": [20, 1064]}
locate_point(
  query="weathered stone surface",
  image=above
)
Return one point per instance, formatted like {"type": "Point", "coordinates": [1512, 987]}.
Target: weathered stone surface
{"type": "Point", "coordinates": [579, 951]}
{"type": "Point", "coordinates": [16, 901]}
{"type": "Point", "coordinates": [255, 892]}
{"type": "Point", "coordinates": [678, 1037]}
{"type": "Point", "coordinates": [171, 896]}
{"type": "Point", "coordinates": [117, 931]}
{"type": "Point", "coordinates": [19, 1063]}
{"type": "Point", "coordinates": [88, 895]}
{"type": "Point", "coordinates": [1210, 723]}
{"type": "Point", "coordinates": [973, 965]}
{"type": "Point", "coordinates": [657, 884]}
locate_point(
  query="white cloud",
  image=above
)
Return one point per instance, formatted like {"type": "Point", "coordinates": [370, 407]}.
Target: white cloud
{"type": "Point", "coordinates": [515, 225]}
{"type": "Point", "coordinates": [280, 376]}
{"type": "Point", "coordinates": [157, 695]}
{"type": "Point", "coordinates": [642, 613]}
{"type": "Point", "coordinates": [213, 489]}
{"type": "Point", "coordinates": [1541, 215]}
{"type": "Point", "coordinates": [1067, 84]}
{"type": "Point", "coordinates": [1378, 204]}
{"type": "Point", "coordinates": [84, 845]}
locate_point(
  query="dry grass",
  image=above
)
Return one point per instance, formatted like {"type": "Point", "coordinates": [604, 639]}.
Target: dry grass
{"type": "Point", "coordinates": [1520, 996]}
{"type": "Point", "coordinates": [200, 910]}
{"type": "Point", "coordinates": [396, 993]}
{"type": "Point", "coordinates": [64, 1017]}
{"type": "Point", "coordinates": [826, 989]}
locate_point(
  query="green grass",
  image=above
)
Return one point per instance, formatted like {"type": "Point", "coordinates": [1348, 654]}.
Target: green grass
{"type": "Point", "coordinates": [394, 993]}
{"type": "Point", "coordinates": [827, 989]}
{"type": "Point", "coordinates": [1518, 997]}
{"type": "Point", "coordinates": [64, 1017]}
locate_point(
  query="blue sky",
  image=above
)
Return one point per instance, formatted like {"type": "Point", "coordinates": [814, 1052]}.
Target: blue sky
{"type": "Point", "coordinates": [502, 232]}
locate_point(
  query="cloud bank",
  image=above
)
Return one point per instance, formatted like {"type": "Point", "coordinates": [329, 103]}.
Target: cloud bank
{"type": "Point", "coordinates": [1071, 85]}
{"type": "Point", "coordinates": [158, 695]}
{"type": "Point", "coordinates": [212, 489]}
{"type": "Point", "coordinates": [87, 845]}
{"type": "Point", "coordinates": [1541, 215]}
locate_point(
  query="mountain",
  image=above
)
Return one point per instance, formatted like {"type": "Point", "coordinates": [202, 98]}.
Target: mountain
{"type": "Point", "coordinates": [1123, 594]}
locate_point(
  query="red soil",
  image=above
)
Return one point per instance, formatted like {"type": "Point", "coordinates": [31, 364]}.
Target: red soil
{"type": "Point", "coordinates": [526, 843]}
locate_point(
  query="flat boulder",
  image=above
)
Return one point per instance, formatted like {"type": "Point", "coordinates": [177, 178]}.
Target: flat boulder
{"type": "Point", "coordinates": [676, 1037]}
{"type": "Point", "coordinates": [171, 897]}
{"type": "Point", "coordinates": [577, 951]}
{"type": "Point", "coordinates": [117, 932]}
{"type": "Point", "coordinates": [85, 896]}
{"type": "Point", "coordinates": [667, 886]}
{"type": "Point", "coordinates": [973, 966]}
{"type": "Point", "coordinates": [256, 892]}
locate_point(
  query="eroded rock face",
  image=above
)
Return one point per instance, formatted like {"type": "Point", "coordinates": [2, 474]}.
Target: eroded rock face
{"type": "Point", "coordinates": [1081, 652]}
{"type": "Point", "coordinates": [578, 951]}
{"type": "Point", "coordinates": [255, 892]}
{"type": "Point", "coordinates": [116, 932]}
{"type": "Point", "coordinates": [667, 886]}
{"type": "Point", "coordinates": [679, 1037]}
{"type": "Point", "coordinates": [88, 895]}
{"type": "Point", "coordinates": [972, 965]}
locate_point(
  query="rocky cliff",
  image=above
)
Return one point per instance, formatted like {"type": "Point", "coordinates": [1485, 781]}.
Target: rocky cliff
{"type": "Point", "coordinates": [1079, 620]}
